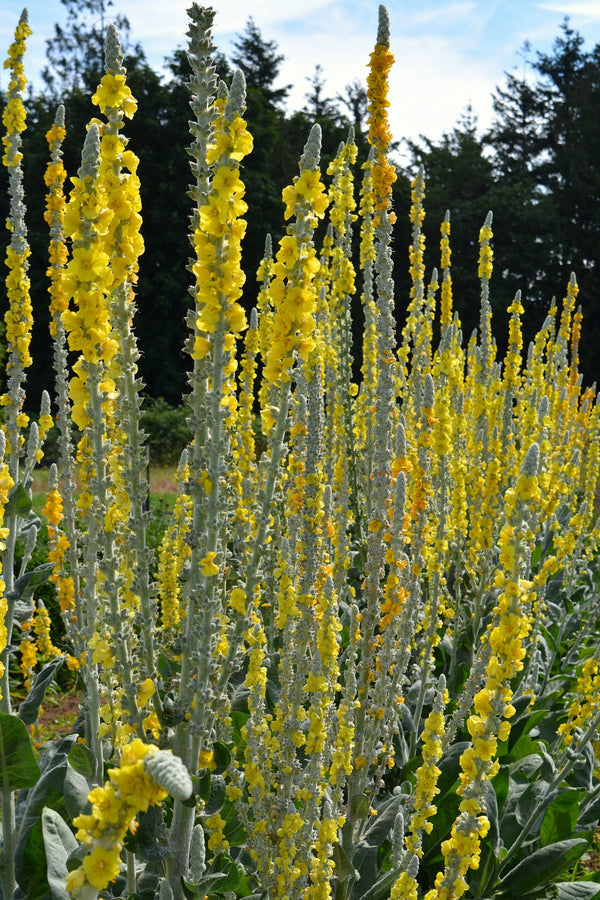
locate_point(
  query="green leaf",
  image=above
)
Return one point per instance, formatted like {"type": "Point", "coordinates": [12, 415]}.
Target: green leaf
{"type": "Point", "coordinates": [577, 890]}
{"type": "Point", "coordinates": [561, 817]}
{"type": "Point", "coordinates": [381, 889]}
{"type": "Point", "coordinates": [59, 843]}
{"type": "Point", "coordinates": [23, 609]}
{"type": "Point", "coordinates": [491, 810]}
{"type": "Point", "coordinates": [536, 797]}
{"type": "Point", "coordinates": [76, 788]}
{"type": "Point", "coordinates": [234, 831]}
{"type": "Point", "coordinates": [383, 822]}
{"type": "Point", "coordinates": [47, 791]}
{"type": "Point", "coordinates": [215, 802]}
{"type": "Point", "coordinates": [238, 720]}
{"type": "Point", "coordinates": [27, 583]}
{"type": "Point", "coordinates": [449, 766]}
{"type": "Point", "coordinates": [166, 667]}
{"type": "Point", "coordinates": [19, 502]}
{"type": "Point", "coordinates": [207, 883]}
{"type": "Point", "coordinates": [222, 755]}
{"type": "Point", "coordinates": [202, 785]}
{"type": "Point", "coordinates": [343, 864]}
{"type": "Point", "coordinates": [82, 760]}
{"type": "Point", "coordinates": [359, 807]}
{"type": "Point", "coordinates": [18, 766]}
{"type": "Point", "coordinates": [151, 842]}
{"type": "Point", "coordinates": [501, 785]}
{"type": "Point", "coordinates": [30, 869]}
{"type": "Point", "coordinates": [229, 869]}
{"type": "Point", "coordinates": [30, 707]}
{"type": "Point", "coordinates": [543, 865]}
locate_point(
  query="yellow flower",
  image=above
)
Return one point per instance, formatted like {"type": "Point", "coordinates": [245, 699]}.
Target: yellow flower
{"type": "Point", "coordinates": [106, 806]}
{"type": "Point", "coordinates": [208, 567]}
{"type": "Point", "coordinates": [136, 787]}
{"type": "Point", "coordinates": [227, 182]}
{"type": "Point", "coordinates": [102, 866]}
{"type": "Point", "coordinates": [237, 600]}
{"type": "Point", "coordinates": [113, 92]}
{"type": "Point", "coordinates": [88, 264]}
{"type": "Point", "coordinates": [53, 508]}
{"type": "Point", "coordinates": [310, 186]}
{"type": "Point", "coordinates": [146, 691]}
{"type": "Point", "coordinates": [101, 651]}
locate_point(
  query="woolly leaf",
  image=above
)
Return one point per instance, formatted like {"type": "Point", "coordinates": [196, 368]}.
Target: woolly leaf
{"type": "Point", "coordinates": [170, 773]}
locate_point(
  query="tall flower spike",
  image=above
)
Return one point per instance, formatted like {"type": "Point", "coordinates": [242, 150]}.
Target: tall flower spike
{"type": "Point", "coordinates": [18, 317]}
{"type": "Point", "coordinates": [292, 291]}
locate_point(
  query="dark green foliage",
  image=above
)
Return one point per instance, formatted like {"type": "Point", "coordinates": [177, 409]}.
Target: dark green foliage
{"type": "Point", "coordinates": [167, 430]}
{"type": "Point", "coordinates": [458, 176]}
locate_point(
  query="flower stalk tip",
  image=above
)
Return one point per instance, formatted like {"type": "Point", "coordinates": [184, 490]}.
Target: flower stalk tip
{"type": "Point", "coordinates": [312, 149]}
{"type": "Point", "coordinates": [383, 27]}
{"type": "Point", "coordinates": [113, 52]}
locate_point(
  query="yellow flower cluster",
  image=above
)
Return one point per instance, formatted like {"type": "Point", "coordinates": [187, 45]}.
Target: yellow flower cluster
{"type": "Point", "coordinates": [486, 254]}
{"type": "Point", "coordinates": [384, 173]}
{"type": "Point", "coordinates": [54, 177]}
{"type": "Point", "coordinates": [59, 544]}
{"type": "Point", "coordinates": [13, 116]}
{"type": "Point", "coordinates": [87, 280]}
{"type": "Point", "coordinates": [427, 776]}
{"type": "Point", "coordinates": [115, 806]}
{"type": "Point", "coordinates": [18, 316]}
{"type": "Point", "coordinates": [173, 555]}
{"type": "Point", "coordinates": [445, 262]}
{"type": "Point", "coordinates": [218, 238]}
{"type": "Point", "coordinates": [103, 220]}
{"type": "Point", "coordinates": [292, 292]}
{"type": "Point", "coordinates": [586, 705]}
{"type": "Point", "coordinates": [28, 649]}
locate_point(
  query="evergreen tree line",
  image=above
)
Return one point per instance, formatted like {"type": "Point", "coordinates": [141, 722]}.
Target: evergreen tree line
{"type": "Point", "coordinates": [537, 168]}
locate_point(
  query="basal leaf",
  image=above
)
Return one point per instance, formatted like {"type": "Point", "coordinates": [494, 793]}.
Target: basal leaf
{"type": "Point", "coordinates": [18, 766]}
{"type": "Point", "coordinates": [560, 818]}
{"type": "Point", "coordinates": [577, 890]}
{"type": "Point", "coordinates": [59, 843]}
{"type": "Point", "coordinates": [544, 865]}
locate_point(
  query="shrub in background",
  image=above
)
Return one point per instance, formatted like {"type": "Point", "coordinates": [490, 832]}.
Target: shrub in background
{"type": "Point", "coordinates": [167, 430]}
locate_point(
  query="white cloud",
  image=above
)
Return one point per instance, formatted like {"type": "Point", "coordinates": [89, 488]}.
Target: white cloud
{"type": "Point", "coordinates": [448, 52]}
{"type": "Point", "coordinates": [585, 8]}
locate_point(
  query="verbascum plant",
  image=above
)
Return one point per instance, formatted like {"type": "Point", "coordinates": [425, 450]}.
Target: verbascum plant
{"type": "Point", "coordinates": [125, 517]}
{"type": "Point", "coordinates": [212, 645]}
{"type": "Point", "coordinates": [365, 591]}
{"type": "Point", "coordinates": [18, 317]}
{"type": "Point", "coordinates": [19, 452]}
{"type": "Point", "coordinates": [60, 504]}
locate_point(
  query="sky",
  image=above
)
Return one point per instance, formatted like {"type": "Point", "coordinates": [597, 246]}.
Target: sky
{"type": "Point", "coordinates": [449, 53]}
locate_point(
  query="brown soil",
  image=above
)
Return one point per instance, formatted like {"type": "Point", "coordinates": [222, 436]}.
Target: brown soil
{"type": "Point", "coordinates": [59, 715]}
